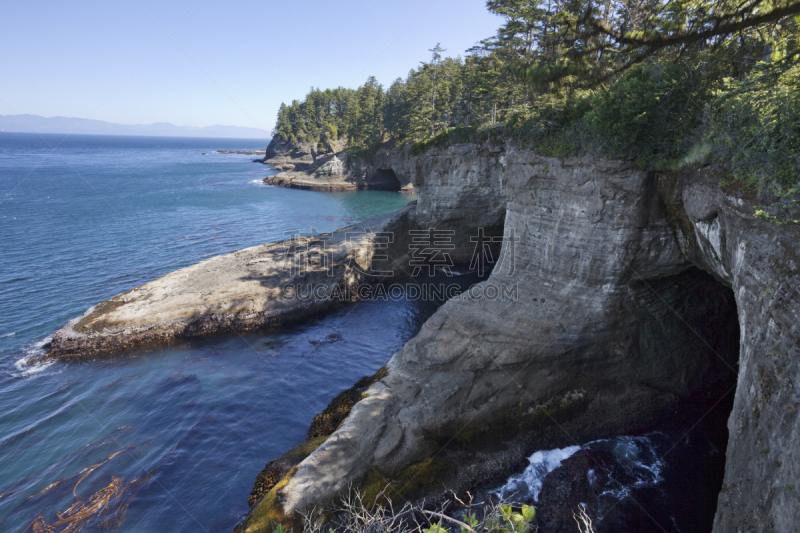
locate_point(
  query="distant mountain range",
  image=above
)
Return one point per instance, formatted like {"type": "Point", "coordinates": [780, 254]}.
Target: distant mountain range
{"type": "Point", "coordinates": [37, 124]}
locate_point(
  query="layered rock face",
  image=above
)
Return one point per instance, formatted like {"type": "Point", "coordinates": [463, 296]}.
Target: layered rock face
{"type": "Point", "coordinates": [285, 152]}
{"type": "Point", "coordinates": [461, 189]}
{"type": "Point", "coordinates": [461, 194]}
{"type": "Point", "coordinates": [336, 172]}
{"type": "Point", "coordinates": [760, 261]}
{"type": "Point", "coordinates": [302, 167]}
{"type": "Point", "coordinates": [606, 320]}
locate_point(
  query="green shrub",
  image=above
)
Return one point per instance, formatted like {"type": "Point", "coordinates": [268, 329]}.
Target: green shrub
{"type": "Point", "coordinates": [354, 515]}
{"type": "Point", "coordinates": [755, 127]}
{"type": "Point", "coordinates": [652, 113]}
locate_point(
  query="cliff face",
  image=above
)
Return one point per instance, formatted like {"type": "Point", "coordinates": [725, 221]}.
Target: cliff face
{"type": "Point", "coordinates": [280, 151]}
{"type": "Point", "coordinates": [302, 167]}
{"type": "Point", "coordinates": [760, 262]}
{"type": "Point", "coordinates": [460, 189]}
{"type": "Point", "coordinates": [618, 293]}
{"type": "Point", "coordinates": [284, 151]}
{"type": "Point", "coordinates": [626, 291]}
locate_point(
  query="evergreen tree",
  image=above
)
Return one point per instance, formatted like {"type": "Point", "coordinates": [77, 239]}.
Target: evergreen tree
{"type": "Point", "coordinates": [628, 77]}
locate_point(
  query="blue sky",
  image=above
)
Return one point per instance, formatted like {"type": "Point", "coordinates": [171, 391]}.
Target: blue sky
{"type": "Point", "coordinates": [231, 63]}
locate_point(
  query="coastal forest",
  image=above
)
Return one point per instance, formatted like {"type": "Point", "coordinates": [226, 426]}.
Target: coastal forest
{"type": "Point", "coordinates": [664, 83]}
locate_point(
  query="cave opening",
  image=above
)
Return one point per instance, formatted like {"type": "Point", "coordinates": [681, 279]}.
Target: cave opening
{"type": "Point", "coordinates": [666, 473]}
{"type": "Point", "coordinates": [695, 319]}
{"type": "Point", "coordinates": [384, 179]}
{"type": "Point", "coordinates": [696, 466]}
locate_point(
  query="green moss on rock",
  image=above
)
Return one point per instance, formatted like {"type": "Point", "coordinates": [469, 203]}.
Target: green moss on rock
{"type": "Point", "coordinates": [277, 470]}
{"type": "Point", "coordinates": [277, 473]}
{"type": "Point", "coordinates": [269, 510]}
{"type": "Point", "coordinates": [339, 409]}
{"type": "Point", "coordinates": [411, 483]}
{"type": "Point", "coordinates": [526, 417]}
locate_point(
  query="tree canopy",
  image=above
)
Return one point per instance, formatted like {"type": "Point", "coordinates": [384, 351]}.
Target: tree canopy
{"type": "Point", "coordinates": [655, 80]}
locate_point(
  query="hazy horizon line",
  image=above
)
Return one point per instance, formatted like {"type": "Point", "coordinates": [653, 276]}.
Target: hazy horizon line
{"type": "Point", "coordinates": [30, 123]}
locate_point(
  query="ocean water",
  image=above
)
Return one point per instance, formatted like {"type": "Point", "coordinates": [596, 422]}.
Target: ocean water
{"type": "Point", "coordinates": [527, 484]}
{"type": "Point", "coordinates": [168, 439]}
{"type": "Point", "coordinates": [666, 480]}
{"type": "Point", "coordinates": [634, 463]}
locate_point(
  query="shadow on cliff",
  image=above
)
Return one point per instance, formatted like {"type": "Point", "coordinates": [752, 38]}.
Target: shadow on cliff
{"type": "Point", "coordinates": [689, 438]}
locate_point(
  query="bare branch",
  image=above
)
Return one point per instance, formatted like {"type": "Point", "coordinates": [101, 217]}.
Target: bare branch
{"type": "Point", "coordinates": [445, 517]}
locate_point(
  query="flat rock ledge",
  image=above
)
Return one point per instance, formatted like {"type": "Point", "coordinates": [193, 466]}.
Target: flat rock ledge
{"type": "Point", "coordinates": [259, 287]}
{"type": "Point", "coordinates": [298, 180]}
{"type": "Point", "coordinates": [294, 179]}
{"type": "Point", "coordinates": [339, 171]}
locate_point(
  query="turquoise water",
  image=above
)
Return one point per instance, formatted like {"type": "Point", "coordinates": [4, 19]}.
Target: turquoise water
{"type": "Point", "coordinates": [168, 439]}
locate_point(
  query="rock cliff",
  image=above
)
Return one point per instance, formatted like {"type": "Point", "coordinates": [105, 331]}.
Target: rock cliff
{"type": "Point", "coordinates": [630, 290]}
{"type": "Point", "coordinates": [301, 166]}
{"type": "Point", "coordinates": [617, 294]}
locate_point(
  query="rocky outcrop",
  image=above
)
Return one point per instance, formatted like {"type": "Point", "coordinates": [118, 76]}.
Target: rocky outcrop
{"type": "Point", "coordinates": [300, 167]}
{"type": "Point", "coordinates": [242, 291]}
{"type": "Point", "coordinates": [464, 190]}
{"type": "Point", "coordinates": [258, 287]}
{"type": "Point", "coordinates": [321, 428]}
{"type": "Point", "coordinates": [760, 261]}
{"type": "Point", "coordinates": [279, 151]}
{"type": "Point", "coordinates": [617, 293]}
{"type": "Point", "coordinates": [461, 190]}
{"type": "Point", "coordinates": [608, 321]}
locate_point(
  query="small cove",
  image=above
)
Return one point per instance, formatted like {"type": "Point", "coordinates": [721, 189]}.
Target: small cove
{"type": "Point", "coordinates": [169, 439]}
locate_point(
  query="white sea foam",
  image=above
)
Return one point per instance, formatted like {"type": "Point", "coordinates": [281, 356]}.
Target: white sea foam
{"type": "Point", "coordinates": [638, 458]}
{"type": "Point", "coordinates": [8, 335]}
{"type": "Point", "coordinates": [529, 482]}
{"type": "Point", "coordinates": [32, 352]}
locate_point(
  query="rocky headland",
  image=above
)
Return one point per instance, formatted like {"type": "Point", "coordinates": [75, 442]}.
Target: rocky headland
{"type": "Point", "coordinates": [633, 290]}
{"type": "Point", "coordinates": [259, 287]}
{"type": "Point", "coordinates": [636, 289]}
{"type": "Point", "coordinates": [301, 166]}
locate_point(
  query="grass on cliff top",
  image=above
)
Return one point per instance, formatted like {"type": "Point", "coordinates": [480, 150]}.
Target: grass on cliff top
{"type": "Point", "coordinates": [459, 135]}
{"type": "Point", "coordinates": [668, 115]}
